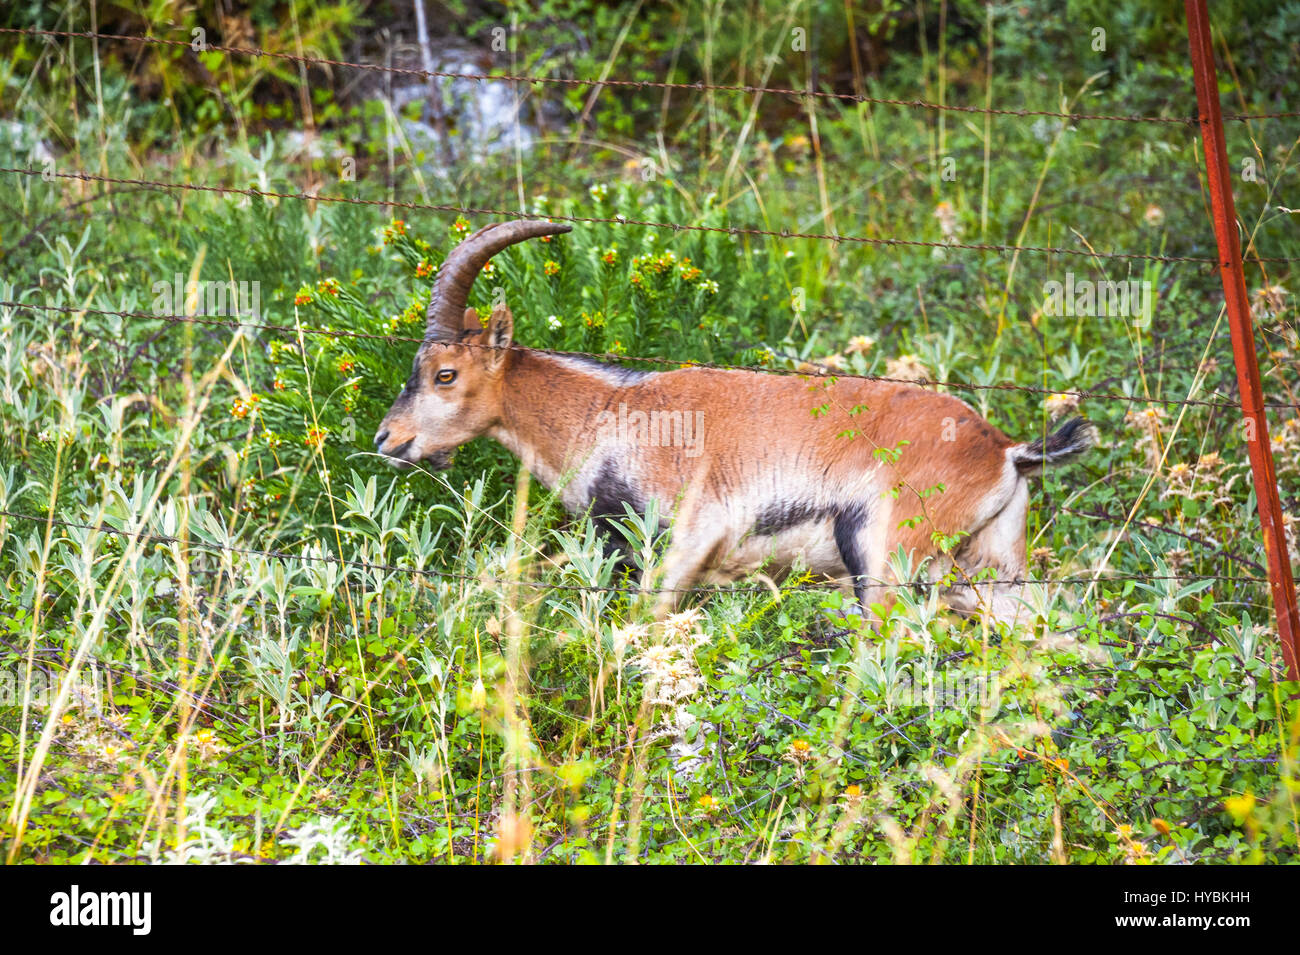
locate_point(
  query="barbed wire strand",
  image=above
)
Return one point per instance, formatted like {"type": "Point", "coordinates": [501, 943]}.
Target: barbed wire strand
{"type": "Point", "coordinates": [621, 220]}
{"type": "Point", "coordinates": [583, 588]}
{"type": "Point", "coordinates": [816, 372]}
{"type": "Point", "coordinates": [824, 95]}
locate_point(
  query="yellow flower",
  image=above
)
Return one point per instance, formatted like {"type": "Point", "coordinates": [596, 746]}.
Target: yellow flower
{"type": "Point", "coordinates": [800, 750]}
{"type": "Point", "coordinates": [1240, 807]}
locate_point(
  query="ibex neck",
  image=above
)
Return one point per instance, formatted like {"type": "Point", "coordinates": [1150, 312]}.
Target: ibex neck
{"type": "Point", "coordinates": [549, 409]}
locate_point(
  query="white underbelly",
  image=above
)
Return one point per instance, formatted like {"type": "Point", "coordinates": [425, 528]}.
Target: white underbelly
{"type": "Point", "coordinates": [810, 545]}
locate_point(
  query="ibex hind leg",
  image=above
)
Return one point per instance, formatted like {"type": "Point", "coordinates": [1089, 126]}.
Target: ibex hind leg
{"type": "Point", "coordinates": [688, 558]}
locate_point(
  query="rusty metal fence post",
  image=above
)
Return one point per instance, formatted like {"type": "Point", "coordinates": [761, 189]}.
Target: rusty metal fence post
{"type": "Point", "coordinates": [1218, 176]}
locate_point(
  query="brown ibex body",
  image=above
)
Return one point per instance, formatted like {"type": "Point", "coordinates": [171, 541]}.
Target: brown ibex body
{"type": "Point", "coordinates": [755, 470]}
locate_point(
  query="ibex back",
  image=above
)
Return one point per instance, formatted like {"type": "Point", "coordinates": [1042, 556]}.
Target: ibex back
{"type": "Point", "coordinates": [755, 470]}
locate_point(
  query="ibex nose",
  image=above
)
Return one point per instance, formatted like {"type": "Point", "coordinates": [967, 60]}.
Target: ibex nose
{"type": "Point", "coordinates": [380, 438]}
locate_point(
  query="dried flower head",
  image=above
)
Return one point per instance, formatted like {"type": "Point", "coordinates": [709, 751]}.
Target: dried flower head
{"type": "Point", "coordinates": [1060, 404]}
{"type": "Point", "coordinates": [907, 368]}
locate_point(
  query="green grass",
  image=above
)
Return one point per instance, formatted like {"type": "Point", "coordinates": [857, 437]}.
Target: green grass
{"type": "Point", "coordinates": [445, 703]}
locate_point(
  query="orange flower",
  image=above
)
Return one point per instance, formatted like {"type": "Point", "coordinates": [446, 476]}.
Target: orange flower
{"type": "Point", "coordinates": [243, 407]}
{"type": "Point", "coordinates": [394, 230]}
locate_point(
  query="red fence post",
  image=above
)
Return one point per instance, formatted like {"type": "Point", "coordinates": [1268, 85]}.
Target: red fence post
{"type": "Point", "coordinates": [1243, 334]}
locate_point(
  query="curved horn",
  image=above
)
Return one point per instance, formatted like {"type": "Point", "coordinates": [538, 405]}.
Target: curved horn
{"type": "Point", "coordinates": [451, 289]}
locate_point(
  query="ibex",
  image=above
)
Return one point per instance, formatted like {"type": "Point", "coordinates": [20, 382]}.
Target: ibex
{"type": "Point", "coordinates": [755, 470]}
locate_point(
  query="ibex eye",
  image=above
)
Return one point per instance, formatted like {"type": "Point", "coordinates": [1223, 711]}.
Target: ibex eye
{"type": "Point", "coordinates": [446, 376]}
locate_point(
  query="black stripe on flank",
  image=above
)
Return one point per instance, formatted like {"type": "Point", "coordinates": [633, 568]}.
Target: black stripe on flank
{"type": "Point", "coordinates": [609, 492]}
{"type": "Point", "coordinates": [784, 515]}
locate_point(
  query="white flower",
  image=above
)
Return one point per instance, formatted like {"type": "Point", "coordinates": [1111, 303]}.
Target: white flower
{"type": "Point", "coordinates": [633, 635]}
{"type": "Point", "coordinates": [554, 322]}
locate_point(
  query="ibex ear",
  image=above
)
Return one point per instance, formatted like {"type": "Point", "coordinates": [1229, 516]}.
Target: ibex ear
{"type": "Point", "coordinates": [471, 321]}
{"type": "Point", "coordinates": [500, 333]}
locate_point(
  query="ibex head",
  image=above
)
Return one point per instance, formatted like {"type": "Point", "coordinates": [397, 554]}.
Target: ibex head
{"type": "Point", "coordinates": [454, 392]}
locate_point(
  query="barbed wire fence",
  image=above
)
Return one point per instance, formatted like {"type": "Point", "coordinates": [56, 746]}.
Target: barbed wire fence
{"type": "Point", "coordinates": [807, 369]}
